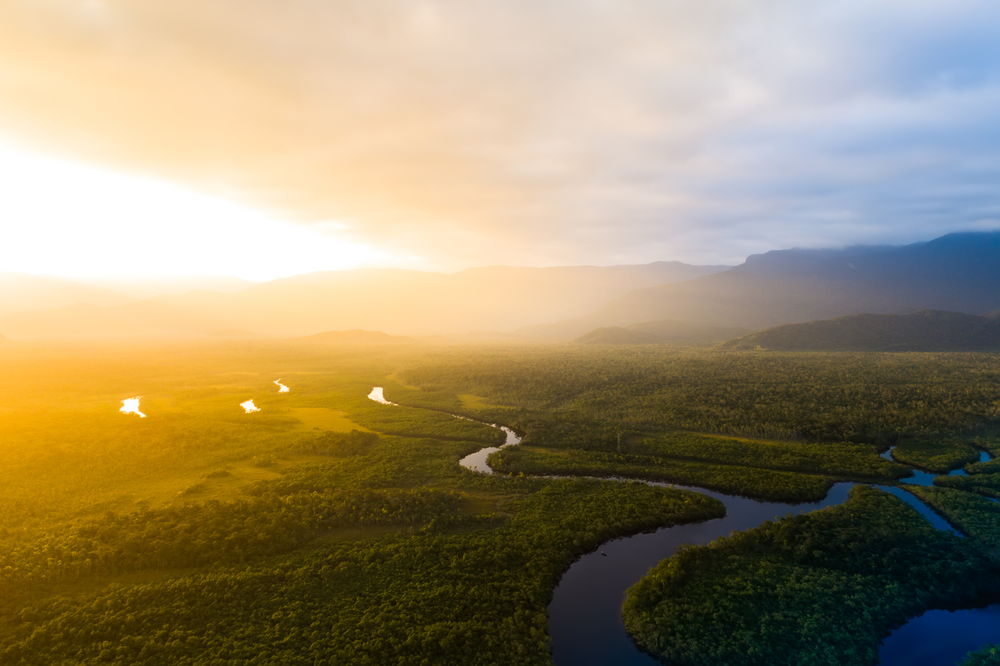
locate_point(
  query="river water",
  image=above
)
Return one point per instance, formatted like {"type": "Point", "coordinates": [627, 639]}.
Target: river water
{"type": "Point", "coordinates": [585, 621]}
{"type": "Point", "coordinates": [939, 637]}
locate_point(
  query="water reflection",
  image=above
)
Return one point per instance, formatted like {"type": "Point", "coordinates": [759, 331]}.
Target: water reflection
{"type": "Point", "coordinates": [378, 396]}
{"type": "Point", "coordinates": [249, 407]}
{"type": "Point", "coordinates": [941, 637]}
{"type": "Point", "coordinates": [131, 406]}
{"type": "Point", "coordinates": [475, 461]}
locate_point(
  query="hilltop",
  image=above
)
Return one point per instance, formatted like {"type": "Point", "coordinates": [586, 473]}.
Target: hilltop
{"type": "Point", "coordinates": [928, 330]}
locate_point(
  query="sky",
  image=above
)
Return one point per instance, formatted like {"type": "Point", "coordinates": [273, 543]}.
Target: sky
{"type": "Point", "coordinates": [260, 138]}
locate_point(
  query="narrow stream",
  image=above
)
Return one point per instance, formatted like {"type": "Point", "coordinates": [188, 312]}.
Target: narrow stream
{"type": "Point", "coordinates": [585, 621]}
{"type": "Point", "coordinates": [476, 462]}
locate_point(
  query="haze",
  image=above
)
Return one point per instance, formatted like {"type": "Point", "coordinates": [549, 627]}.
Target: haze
{"type": "Point", "coordinates": [500, 332]}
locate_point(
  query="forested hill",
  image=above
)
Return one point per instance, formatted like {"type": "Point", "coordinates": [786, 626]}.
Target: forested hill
{"type": "Point", "coordinates": [928, 330]}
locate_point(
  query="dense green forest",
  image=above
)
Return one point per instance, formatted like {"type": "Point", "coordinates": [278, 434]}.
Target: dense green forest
{"type": "Point", "coordinates": [440, 591]}
{"type": "Point", "coordinates": [736, 480]}
{"type": "Point", "coordinates": [584, 397]}
{"type": "Point", "coordinates": [982, 483]}
{"type": "Point", "coordinates": [927, 330]}
{"type": "Point", "coordinates": [329, 528]}
{"type": "Point", "coordinates": [938, 453]}
{"type": "Point", "coordinates": [974, 515]}
{"type": "Point", "coordinates": [767, 470]}
{"type": "Point", "coordinates": [820, 588]}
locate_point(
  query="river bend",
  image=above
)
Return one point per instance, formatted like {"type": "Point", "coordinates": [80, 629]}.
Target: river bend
{"type": "Point", "coordinates": [585, 620]}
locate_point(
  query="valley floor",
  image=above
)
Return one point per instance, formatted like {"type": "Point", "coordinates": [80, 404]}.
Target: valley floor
{"type": "Point", "coordinates": [330, 528]}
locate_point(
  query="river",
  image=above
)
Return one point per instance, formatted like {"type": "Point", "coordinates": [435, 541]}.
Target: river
{"type": "Point", "coordinates": [585, 621]}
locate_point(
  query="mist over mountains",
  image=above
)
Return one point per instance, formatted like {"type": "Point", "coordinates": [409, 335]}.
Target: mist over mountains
{"type": "Point", "coordinates": [958, 272]}
{"type": "Point", "coordinates": [660, 332]}
{"type": "Point", "coordinates": [395, 301]}
{"type": "Point", "coordinates": [662, 301]}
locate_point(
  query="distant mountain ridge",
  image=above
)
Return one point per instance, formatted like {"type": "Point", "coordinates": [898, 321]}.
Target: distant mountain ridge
{"type": "Point", "coordinates": [958, 272]}
{"type": "Point", "coordinates": [928, 330]}
{"type": "Point", "coordinates": [392, 300]}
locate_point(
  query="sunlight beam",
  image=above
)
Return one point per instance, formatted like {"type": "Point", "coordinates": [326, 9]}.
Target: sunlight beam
{"type": "Point", "coordinates": [73, 220]}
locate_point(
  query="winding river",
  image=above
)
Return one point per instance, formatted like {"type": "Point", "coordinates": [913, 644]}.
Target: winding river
{"type": "Point", "coordinates": [585, 622]}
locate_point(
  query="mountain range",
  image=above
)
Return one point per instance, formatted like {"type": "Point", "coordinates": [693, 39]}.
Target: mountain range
{"type": "Point", "coordinates": [396, 301]}
{"type": "Point", "coordinates": [657, 302]}
{"type": "Point", "coordinates": [958, 272]}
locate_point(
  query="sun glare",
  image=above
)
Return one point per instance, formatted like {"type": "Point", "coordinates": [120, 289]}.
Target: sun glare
{"type": "Point", "coordinates": [249, 407]}
{"type": "Point", "coordinates": [378, 395]}
{"type": "Point", "coordinates": [281, 387]}
{"type": "Point", "coordinates": [131, 406]}
{"type": "Point", "coordinates": [68, 219]}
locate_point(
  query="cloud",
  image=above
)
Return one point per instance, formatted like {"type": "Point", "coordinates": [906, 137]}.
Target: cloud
{"type": "Point", "coordinates": [549, 131]}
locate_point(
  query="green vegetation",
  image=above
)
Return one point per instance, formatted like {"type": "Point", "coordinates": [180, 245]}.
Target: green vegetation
{"type": "Point", "coordinates": [582, 397]}
{"type": "Point", "coordinates": [747, 481]}
{"type": "Point", "coordinates": [989, 656]}
{"type": "Point", "coordinates": [929, 330]}
{"type": "Point", "coordinates": [215, 532]}
{"type": "Point", "coordinates": [443, 593]}
{"type": "Point", "coordinates": [974, 515]}
{"type": "Point", "coordinates": [844, 460]}
{"type": "Point", "coordinates": [988, 467]}
{"type": "Point", "coordinates": [202, 533]}
{"type": "Point", "coordinates": [984, 484]}
{"type": "Point", "coordinates": [761, 469]}
{"type": "Point", "coordinates": [331, 529]}
{"type": "Point", "coordinates": [821, 588]}
{"type": "Point", "coordinates": [936, 454]}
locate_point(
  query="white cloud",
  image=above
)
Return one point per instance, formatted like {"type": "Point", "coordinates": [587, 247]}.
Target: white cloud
{"type": "Point", "coordinates": [548, 131]}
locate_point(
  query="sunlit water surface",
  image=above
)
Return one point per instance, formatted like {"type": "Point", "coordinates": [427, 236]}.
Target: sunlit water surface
{"type": "Point", "coordinates": [131, 406]}
{"type": "Point", "coordinates": [249, 407]}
